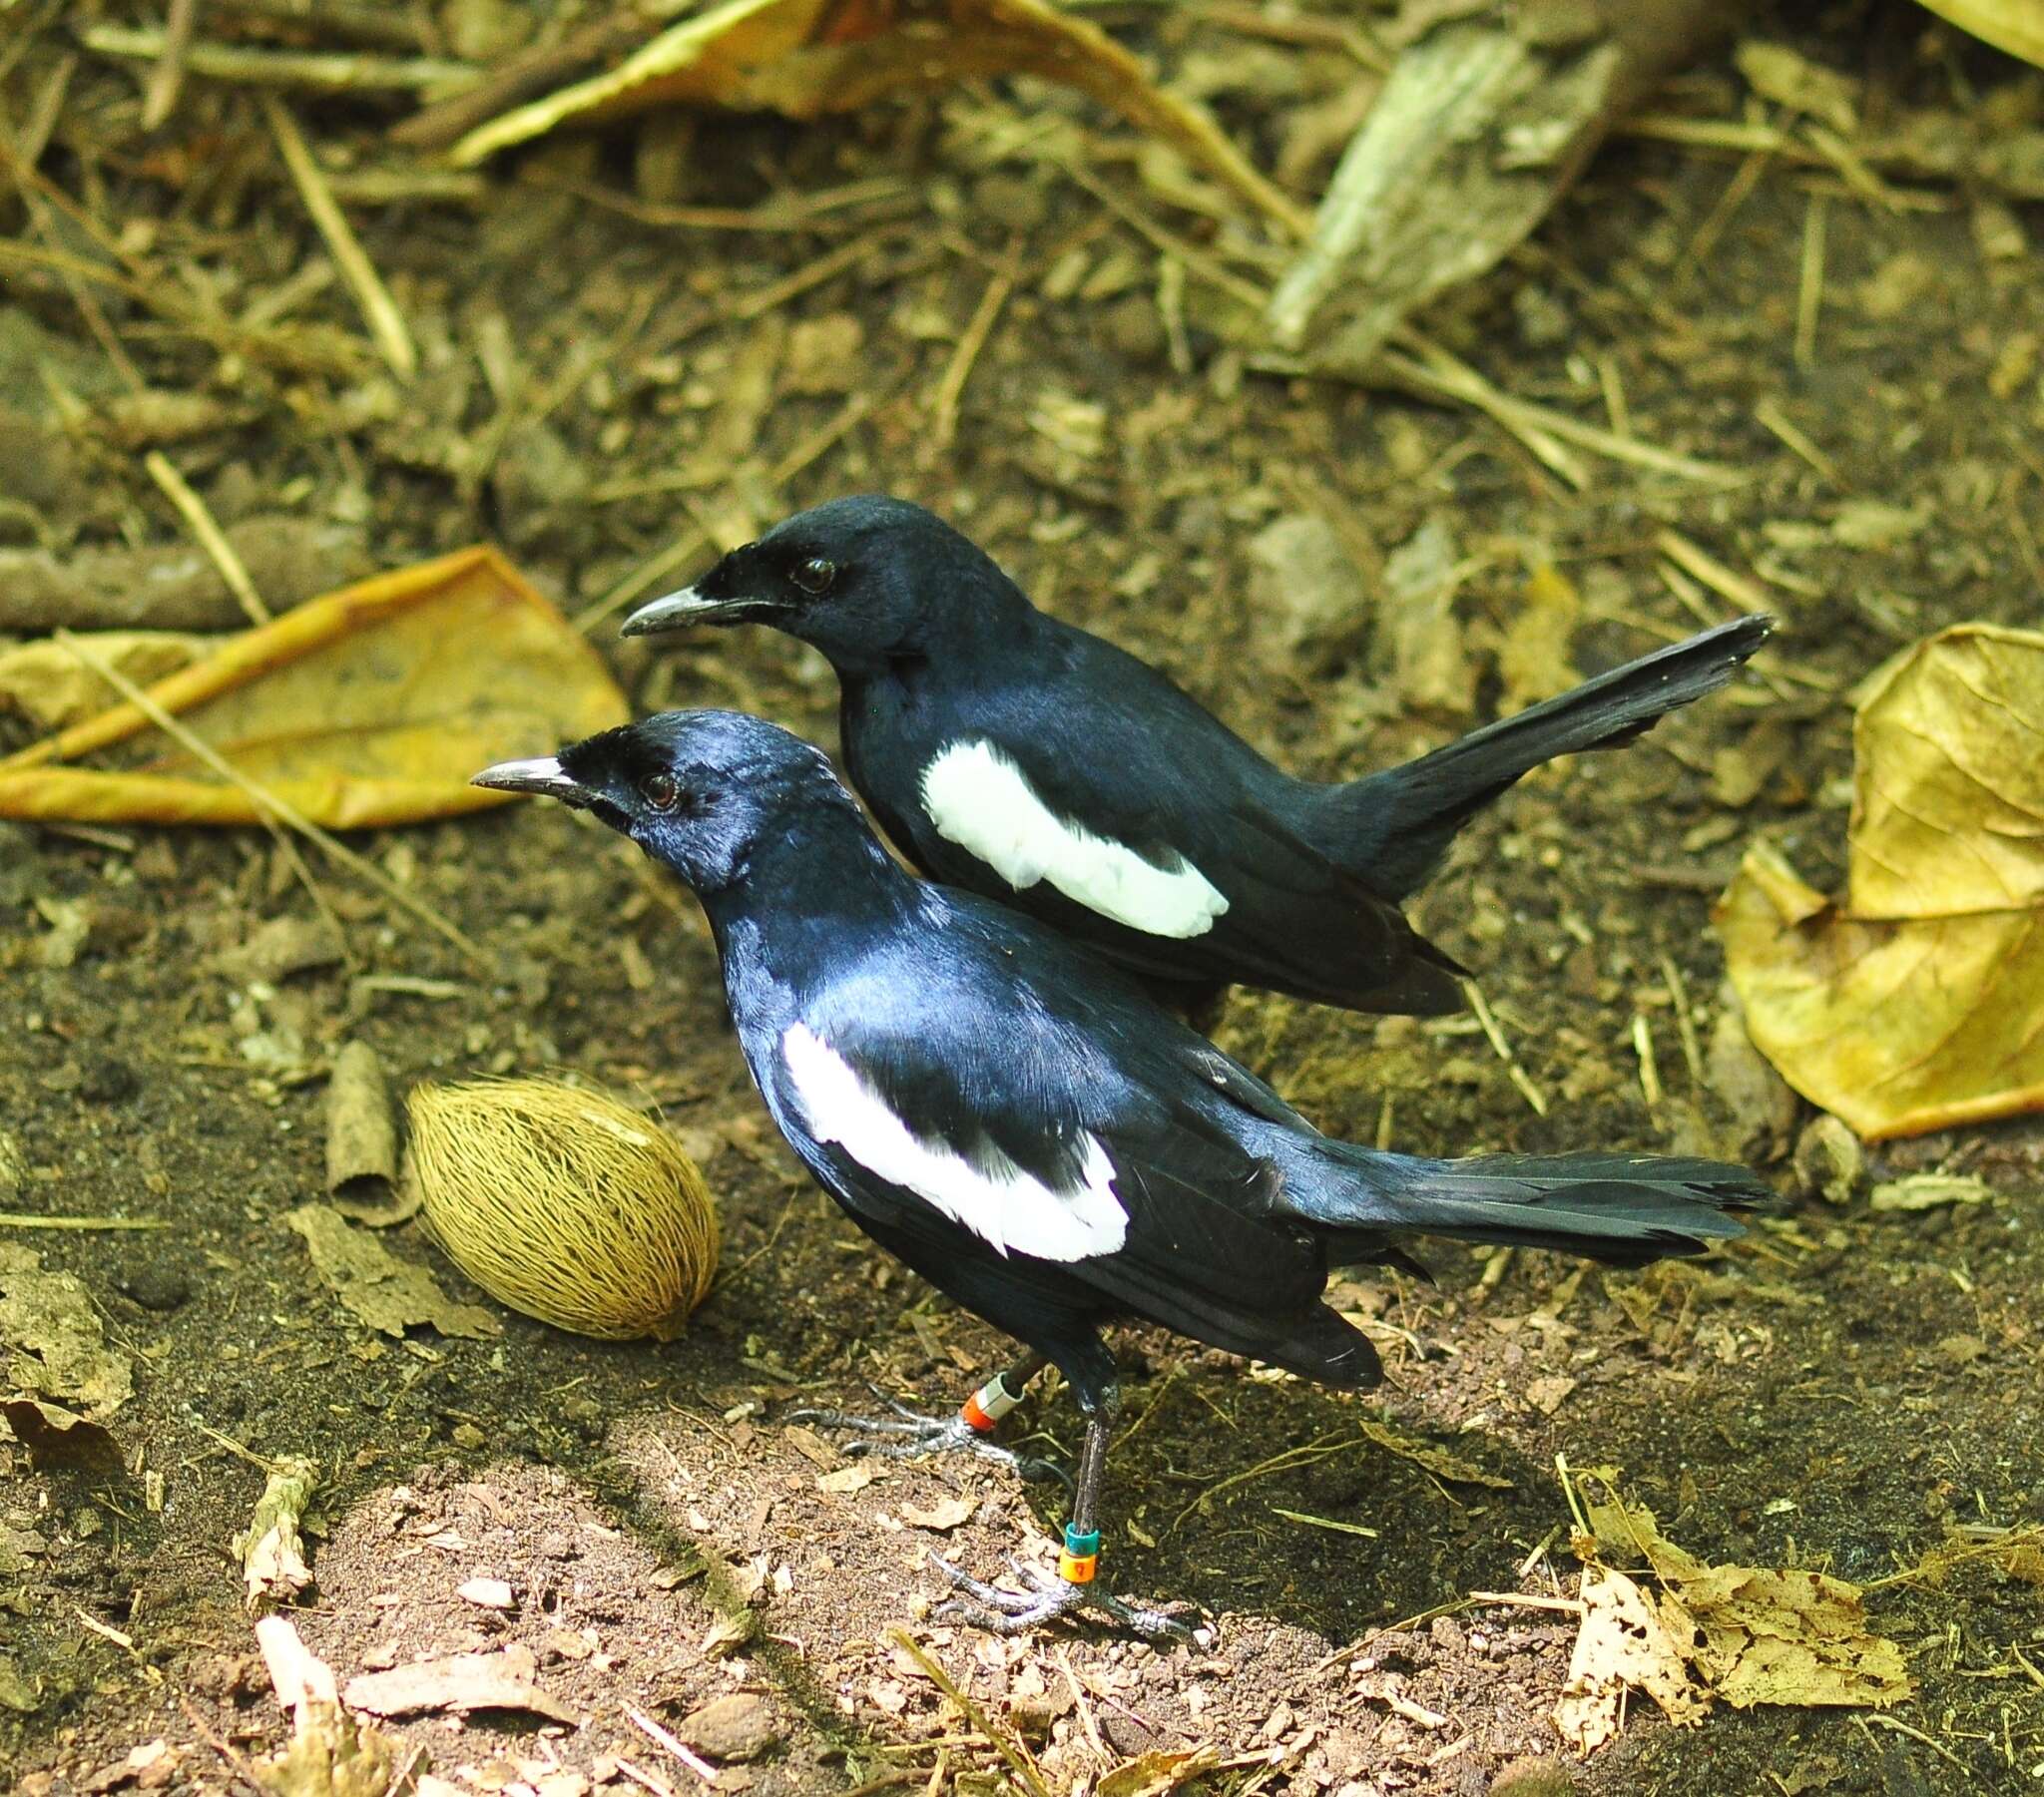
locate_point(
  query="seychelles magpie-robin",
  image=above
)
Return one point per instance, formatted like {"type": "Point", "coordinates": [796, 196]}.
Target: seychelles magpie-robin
{"type": "Point", "coordinates": [1017, 1121]}
{"type": "Point", "coordinates": [1026, 760]}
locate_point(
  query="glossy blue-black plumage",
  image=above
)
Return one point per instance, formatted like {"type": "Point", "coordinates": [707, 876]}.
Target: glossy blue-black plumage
{"type": "Point", "coordinates": [935, 645]}
{"type": "Point", "coordinates": [994, 1038]}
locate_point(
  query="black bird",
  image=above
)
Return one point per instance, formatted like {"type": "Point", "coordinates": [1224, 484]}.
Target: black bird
{"type": "Point", "coordinates": [1028, 760]}
{"type": "Point", "coordinates": [1020, 1124]}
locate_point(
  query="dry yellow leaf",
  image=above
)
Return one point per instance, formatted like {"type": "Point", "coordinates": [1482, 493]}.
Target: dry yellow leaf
{"type": "Point", "coordinates": [1918, 1003]}
{"type": "Point", "coordinates": [805, 58]}
{"type": "Point", "coordinates": [1790, 1636]}
{"type": "Point", "coordinates": [1157, 1773]}
{"type": "Point", "coordinates": [382, 1291]}
{"type": "Point", "coordinates": [49, 685]}
{"type": "Point", "coordinates": [52, 1342]}
{"type": "Point", "coordinates": [1533, 659]}
{"type": "Point", "coordinates": [2016, 26]}
{"type": "Point", "coordinates": [1629, 1639]}
{"type": "Point", "coordinates": [370, 707]}
{"type": "Point", "coordinates": [1754, 1635]}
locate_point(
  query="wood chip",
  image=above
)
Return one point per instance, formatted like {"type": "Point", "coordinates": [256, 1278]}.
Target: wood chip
{"type": "Point", "coordinates": [505, 1679]}
{"type": "Point", "coordinates": [943, 1515]}
{"type": "Point", "coordinates": [361, 1141]}
{"type": "Point", "coordinates": [487, 1594]}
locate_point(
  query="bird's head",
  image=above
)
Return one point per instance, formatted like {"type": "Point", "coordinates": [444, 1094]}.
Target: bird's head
{"type": "Point", "coordinates": [697, 790]}
{"type": "Point", "coordinates": [862, 578]}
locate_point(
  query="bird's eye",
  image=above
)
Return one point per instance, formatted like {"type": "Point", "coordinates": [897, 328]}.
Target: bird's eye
{"type": "Point", "coordinates": [660, 791]}
{"type": "Point", "coordinates": [814, 576]}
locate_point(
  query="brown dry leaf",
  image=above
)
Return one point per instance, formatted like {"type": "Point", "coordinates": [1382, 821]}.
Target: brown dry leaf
{"type": "Point", "coordinates": [54, 1343]}
{"type": "Point", "coordinates": [1436, 1460]}
{"type": "Point", "coordinates": [505, 1679]}
{"type": "Point", "coordinates": [1917, 1003]}
{"type": "Point", "coordinates": [845, 1480]}
{"type": "Point", "coordinates": [1156, 1773]}
{"type": "Point", "coordinates": [805, 58]}
{"type": "Point", "coordinates": [943, 1515]}
{"type": "Point", "coordinates": [386, 1293]}
{"type": "Point", "coordinates": [1760, 1635]}
{"type": "Point", "coordinates": [56, 1437]}
{"type": "Point", "coordinates": [811, 1446]}
{"type": "Point", "coordinates": [1629, 1639]}
{"type": "Point", "coordinates": [272, 1549]}
{"type": "Point", "coordinates": [370, 707]}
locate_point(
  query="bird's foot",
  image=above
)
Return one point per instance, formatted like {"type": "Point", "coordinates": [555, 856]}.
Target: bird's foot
{"type": "Point", "coordinates": [1048, 1597]}
{"type": "Point", "coordinates": [910, 1432]}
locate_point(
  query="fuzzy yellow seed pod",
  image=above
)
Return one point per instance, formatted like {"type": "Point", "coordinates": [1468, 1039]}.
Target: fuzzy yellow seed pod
{"type": "Point", "coordinates": [563, 1203]}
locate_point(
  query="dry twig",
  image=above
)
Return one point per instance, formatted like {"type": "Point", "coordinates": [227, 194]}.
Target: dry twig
{"type": "Point", "coordinates": [286, 68]}
{"type": "Point", "coordinates": [386, 323]}
{"type": "Point", "coordinates": [210, 537]}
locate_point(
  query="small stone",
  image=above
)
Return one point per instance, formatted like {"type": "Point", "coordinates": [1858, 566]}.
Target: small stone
{"type": "Point", "coordinates": [1547, 1392]}
{"type": "Point", "coordinates": [734, 1728]}
{"type": "Point", "coordinates": [284, 946]}
{"type": "Point", "coordinates": [1306, 583]}
{"type": "Point", "coordinates": [1534, 1775]}
{"type": "Point", "coordinates": [1830, 1162]}
{"type": "Point", "coordinates": [487, 1594]}
{"type": "Point", "coordinates": [156, 1287]}
{"type": "Point", "coordinates": [467, 1435]}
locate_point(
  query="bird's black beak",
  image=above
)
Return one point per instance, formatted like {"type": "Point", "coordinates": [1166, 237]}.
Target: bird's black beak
{"type": "Point", "coordinates": [542, 774]}
{"type": "Point", "coordinates": [679, 610]}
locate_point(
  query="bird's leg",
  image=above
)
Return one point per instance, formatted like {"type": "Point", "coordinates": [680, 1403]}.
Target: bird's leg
{"type": "Point", "coordinates": [909, 1432]}
{"type": "Point", "coordinates": [1015, 1613]}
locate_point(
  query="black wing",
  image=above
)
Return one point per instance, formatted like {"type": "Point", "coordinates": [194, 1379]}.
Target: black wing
{"type": "Point", "coordinates": [1014, 1056]}
{"type": "Point", "coordinates": [1112, 746]}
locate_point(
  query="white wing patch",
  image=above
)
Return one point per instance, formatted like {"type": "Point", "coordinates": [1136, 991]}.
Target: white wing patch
{"type": "Point", "coordinates": [979, 799]}
{"type": "Point", "coordinates": [1011, 1208]}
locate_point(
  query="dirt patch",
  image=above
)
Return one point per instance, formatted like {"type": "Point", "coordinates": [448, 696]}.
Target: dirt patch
{"type": "Point", "coordinates": [1844, 1390]}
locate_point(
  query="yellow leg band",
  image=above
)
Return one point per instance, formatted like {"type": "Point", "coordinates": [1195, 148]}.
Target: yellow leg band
{"type": "Point", "coordinates": [1077, 1568]}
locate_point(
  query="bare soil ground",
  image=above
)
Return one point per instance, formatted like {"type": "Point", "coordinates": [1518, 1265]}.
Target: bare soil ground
{"type": "Point", "coordinates": [1837, 1391]}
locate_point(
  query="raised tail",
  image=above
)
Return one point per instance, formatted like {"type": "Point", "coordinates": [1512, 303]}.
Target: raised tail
{"type": "Point", "coordinates": [1392, 829]}
{"type": "Point", "coordinates": [1624, 1209]}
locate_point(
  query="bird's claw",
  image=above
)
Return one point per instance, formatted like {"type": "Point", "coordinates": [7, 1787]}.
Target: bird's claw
{"type": "Point", "coordinates": [911, 1432]}
{"type": "Point", "coordinates": [1003, 1611]}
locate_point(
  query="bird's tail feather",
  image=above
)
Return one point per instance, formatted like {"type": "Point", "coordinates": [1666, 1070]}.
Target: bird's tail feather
{"type": "Point", "coordinates": [1392, 828]}
{"type": "Point", "coordinates": [1624, 1209]}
